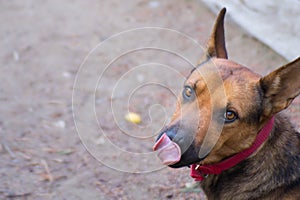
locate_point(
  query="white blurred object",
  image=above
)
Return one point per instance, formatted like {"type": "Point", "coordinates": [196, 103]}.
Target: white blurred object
{"type": "Point", "coordinates": [16, 56]}
{"type": "Point", "coordinates": [100, 141]}
{"type": "Point", "coordinates": [66, 74]}
{"type": "Point", "coordinates": [153, 4]}
{"type": "Point", "coordinates": [140, 77]}
{"type": "Point", "coordinates": [274, 22]}
{"type": "Point", "coordinates": [60, 124]}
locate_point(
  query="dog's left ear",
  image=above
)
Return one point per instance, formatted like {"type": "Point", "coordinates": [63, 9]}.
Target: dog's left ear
{"type": "Point", "coordinates": [216, 43]}
{"type": "Point", "coordinates": [280, 87]}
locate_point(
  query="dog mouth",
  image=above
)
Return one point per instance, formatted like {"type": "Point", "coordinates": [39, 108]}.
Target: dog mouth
{"type": "Point", "coordinates": [170, 153]}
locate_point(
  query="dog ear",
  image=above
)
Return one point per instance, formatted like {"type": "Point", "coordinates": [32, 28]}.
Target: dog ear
{"type": "Point", "coordinates": [280, 87]}
{"type": "Point", "coordinates": [216, 43]}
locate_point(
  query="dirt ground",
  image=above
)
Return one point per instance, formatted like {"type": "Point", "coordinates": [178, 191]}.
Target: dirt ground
{"type": "Point", "coordinates": [43, 44]}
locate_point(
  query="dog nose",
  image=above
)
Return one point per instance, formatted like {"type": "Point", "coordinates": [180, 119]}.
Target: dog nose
{"type": "Point", "coordinates": [170, 132]}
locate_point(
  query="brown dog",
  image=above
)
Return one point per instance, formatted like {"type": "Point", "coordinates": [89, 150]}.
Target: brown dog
{"type": "Point", "coordinates": [228, 129]}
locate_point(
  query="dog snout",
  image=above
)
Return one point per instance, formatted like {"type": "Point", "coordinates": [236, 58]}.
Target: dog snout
{"type": "Point", "coordinates": [170, 132]}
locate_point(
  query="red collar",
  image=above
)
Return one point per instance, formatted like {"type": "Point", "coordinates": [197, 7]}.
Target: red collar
{"type": "Point", "coordinates": [198, 172]}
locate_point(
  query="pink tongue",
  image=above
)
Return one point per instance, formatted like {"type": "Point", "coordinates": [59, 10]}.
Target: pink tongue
{"type": "Point", "coordinates": [168, 152]}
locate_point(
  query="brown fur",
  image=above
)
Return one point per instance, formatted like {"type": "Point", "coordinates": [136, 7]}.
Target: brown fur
{"type": "Point", "coordinates": [273, 171]}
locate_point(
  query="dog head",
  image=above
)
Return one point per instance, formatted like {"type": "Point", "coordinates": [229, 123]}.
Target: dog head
{"type": "Point", "coordinates": [223, 106]}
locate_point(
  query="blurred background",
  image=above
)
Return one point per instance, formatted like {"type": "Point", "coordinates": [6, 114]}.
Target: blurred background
{"type": "Point", "coordinates": [43, 154]}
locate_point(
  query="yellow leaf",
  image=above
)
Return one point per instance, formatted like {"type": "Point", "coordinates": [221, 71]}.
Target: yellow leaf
{"type": "Point", "coordinates": [133, 117]}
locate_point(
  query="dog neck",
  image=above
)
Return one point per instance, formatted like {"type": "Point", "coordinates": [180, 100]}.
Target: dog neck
{"type": "Point", "coordinates": [199, 172]}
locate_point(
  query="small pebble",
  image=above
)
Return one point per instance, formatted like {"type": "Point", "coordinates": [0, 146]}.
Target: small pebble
{"type": "Point", "coordinates": [100, 140]}
{"type": "Point", "coordinates": [140, 77]}
{"type": "Point", "coordinates": [190, 185]}
{"type": "Point", "coordinates": [60, 124]}
{"type": "Point", "coordinates": [66, 74]}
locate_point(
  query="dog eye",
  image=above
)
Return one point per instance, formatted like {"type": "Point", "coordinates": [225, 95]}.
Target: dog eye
{"type": "Point", "coordinates": [230, 116]}
{"type": "Point", "coordinates": [188, 92]}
